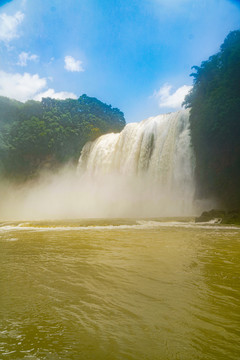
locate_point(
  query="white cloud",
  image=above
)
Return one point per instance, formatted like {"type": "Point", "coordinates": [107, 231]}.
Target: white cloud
{"type": "Point", "coordinates": [62, 95]}
{"type": "Point", "coordinates": [21, 87]}
{"type": "Point", "coordinates": [169, 99]}
{"type": "Point", "coordinates": [24, 57]}
{"type": "Point", "coordinates": [9, 25]}
{"type": "Point", "coordinates": [51, 60]}
{"type": "Point", "coordinates": [72, 64]}
{"type": "Point", "coordinates": [25, 87]}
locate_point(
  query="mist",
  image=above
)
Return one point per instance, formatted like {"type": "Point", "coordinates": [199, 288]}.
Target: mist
{"type": "Point", "coordinates": [69, 195]}
{"type": "Point", "coordinates": [147, 170]}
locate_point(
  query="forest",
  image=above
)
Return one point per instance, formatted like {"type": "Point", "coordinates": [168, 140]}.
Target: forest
{"type": "Point", "coordinates": [215, 124]}
{"type": "Point", "coordinates": [47, 134]}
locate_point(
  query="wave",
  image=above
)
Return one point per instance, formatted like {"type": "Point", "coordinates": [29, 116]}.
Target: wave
{"type": "Point", "coordinates": [138, 225]}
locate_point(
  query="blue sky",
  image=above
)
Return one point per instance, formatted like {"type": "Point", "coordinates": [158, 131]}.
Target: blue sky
{"type": "Point", "coordinates": [136, 54]}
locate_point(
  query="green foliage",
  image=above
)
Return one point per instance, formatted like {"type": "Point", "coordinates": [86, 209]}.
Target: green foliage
{"type": "Point", "coordinates": [215, 123]}
{"type": "Point", "coordinates": [51, 132]}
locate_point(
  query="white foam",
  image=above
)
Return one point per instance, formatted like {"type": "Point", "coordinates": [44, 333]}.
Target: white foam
{"type": "Point", "coordinates": [140, 225]}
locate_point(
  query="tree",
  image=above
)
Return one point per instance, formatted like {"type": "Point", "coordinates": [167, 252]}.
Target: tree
{"type": "Point", "coordinates": [50, 132]}
{"type": "Point", "coordinates": [215, 123]}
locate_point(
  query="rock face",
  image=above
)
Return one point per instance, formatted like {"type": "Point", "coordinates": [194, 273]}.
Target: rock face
{"type": "Point", "coordinates": [221, 216]}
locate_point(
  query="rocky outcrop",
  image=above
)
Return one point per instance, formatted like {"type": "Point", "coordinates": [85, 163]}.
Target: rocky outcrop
{"type": "Point", "coordinates": [220, 216]}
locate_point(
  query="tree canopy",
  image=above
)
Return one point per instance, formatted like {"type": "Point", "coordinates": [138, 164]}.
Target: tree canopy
{"type": "Point", "coordinates": [215, 123]}
{"type": "Point", "coordinates": [51, 132]}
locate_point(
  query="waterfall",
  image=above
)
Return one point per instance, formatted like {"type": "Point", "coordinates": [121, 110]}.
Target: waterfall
{"type": "Point", "coordinates": [146, 170]}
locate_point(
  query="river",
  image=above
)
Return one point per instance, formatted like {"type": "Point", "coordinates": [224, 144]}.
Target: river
{"type": "Point", "coordinates": [159, 289]}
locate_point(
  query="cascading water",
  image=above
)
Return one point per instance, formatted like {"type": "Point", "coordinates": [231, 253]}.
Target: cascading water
{"type": "Point", "coordinates": [146, 170]}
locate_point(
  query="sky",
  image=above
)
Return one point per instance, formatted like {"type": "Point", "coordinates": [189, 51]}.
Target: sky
{"type": "Point", "coordinates": [135, 55]}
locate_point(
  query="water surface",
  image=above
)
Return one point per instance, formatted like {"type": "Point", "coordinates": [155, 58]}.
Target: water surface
{"type": "Point", "coordinates": [119, 289]}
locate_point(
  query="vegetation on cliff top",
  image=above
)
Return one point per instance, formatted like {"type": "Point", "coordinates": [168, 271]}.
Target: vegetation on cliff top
{"type": "Point", "coordinates": [51, 132]}
{"type": "Point", "coordinates": [215, 124]}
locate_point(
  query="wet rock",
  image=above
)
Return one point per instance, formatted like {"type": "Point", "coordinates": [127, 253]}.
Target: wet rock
{"type": "Point", "coordinates": [220, 216]}
{"type": "Point", "coordinates": [211, 215]}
